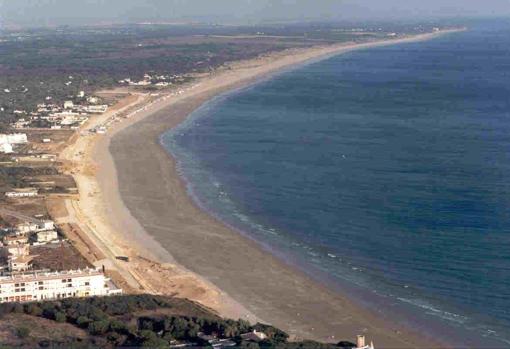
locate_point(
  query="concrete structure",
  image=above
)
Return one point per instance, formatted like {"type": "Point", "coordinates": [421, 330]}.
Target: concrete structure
{"type": "Point", "coordinates": [37, 286]}
{"type": "Point", "coordinates": [47, 236]}
{"type": "Point", "coordinates": [22, 193]}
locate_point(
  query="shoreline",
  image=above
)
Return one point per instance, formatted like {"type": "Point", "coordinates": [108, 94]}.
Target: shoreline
{"type": "Point", "coordinates": [132, 202]}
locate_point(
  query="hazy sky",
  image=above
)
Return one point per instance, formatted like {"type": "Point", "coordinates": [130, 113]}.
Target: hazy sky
{"type": "Point", "coordinates": [36, 12]}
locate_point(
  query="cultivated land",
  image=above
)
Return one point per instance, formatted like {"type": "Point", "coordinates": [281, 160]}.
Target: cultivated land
{"type": "Point", "coordinates": [132, 203]}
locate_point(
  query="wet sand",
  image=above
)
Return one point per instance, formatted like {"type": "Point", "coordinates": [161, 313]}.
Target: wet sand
{"type": "Point", "coordinates": [146, 197]}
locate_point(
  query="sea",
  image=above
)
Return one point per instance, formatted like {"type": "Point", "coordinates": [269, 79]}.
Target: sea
{"type": "Point", "coordinates": [384, 172]}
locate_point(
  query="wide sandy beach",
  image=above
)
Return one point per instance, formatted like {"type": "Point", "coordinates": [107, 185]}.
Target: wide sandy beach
{"type": "Point", "coordinates": [136, 204]}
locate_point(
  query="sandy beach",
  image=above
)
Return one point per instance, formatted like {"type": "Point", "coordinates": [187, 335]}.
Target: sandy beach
{"type": "Point", "coordinates": [134, 203]}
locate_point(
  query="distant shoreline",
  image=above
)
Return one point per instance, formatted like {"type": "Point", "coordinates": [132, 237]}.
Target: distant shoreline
{"type": "Point", "coordinates": [147, 201]}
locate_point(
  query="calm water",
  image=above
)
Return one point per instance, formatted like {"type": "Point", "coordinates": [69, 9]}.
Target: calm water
{"type": "Point", "coordinates": [387, 169]}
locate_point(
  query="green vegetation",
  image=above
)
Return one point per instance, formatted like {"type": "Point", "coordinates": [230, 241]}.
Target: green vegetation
{"type": "Point", "coordinates": [16, 177]}
{"type": "Point", "coordinates": [58, 63]}
{"type": "Point", "coordinates": [142, 321]}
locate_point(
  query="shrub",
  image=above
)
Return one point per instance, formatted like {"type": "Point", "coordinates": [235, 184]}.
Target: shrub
{"type": "Point", "coordinates": [83, 321]}
{"type": "Point", "coordinates": [22, 332]}
{"type": "Point", "coordinates": [60, 317]}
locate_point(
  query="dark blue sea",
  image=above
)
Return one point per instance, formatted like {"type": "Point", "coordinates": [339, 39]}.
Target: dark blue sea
{"type": "Point", "coordinates": [385, 169]}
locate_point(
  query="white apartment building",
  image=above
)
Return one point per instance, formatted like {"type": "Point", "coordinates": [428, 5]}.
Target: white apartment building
{"type": "Point", "coordinates": [37, 286]}
{"type": "Point", "coordinates": [22, 193]}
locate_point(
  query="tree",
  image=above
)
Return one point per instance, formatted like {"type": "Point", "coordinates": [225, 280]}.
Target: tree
{"type": "Point", "coordinates": [98, 327]}
{"type": "Point", "coordinates": [150, 340]}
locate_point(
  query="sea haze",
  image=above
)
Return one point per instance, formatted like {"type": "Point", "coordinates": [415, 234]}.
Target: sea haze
{"type": "Point", "coordinates": [387, 169]}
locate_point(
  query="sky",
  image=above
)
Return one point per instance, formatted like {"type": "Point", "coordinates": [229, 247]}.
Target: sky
{"type": "Point", "coordinates": [54, 12]}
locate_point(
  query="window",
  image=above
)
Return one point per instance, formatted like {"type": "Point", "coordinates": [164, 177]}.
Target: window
{"type": "Point", "coordinates": [87, 283]}
{"type": "Point", "coordinates": [41, 287]}
{"type": "Point", "coordinates": [40, 282]}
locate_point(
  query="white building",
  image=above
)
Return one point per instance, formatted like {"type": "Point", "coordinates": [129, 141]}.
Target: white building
{"type": "Point", "coordinates": [14, 138]}
{"type": "Point", "coordinates": [6, 148]}
{"type": "Point", "coordinates": [68, 105]}
{"type": "Point", "coordinates": [47, 236]}
{"type": "Point", "coordinates": [96, 109]}
{"type": "Point", "coordinates": [360, 343]}
{"type": "Point", "coordinates": [93, 100]}
{"type": "Point", "coordinates": [35, 227]}
{"type": "Point", "coordinates": [254, 336]}
{"type": "Point", "coordinates": [36, 286]}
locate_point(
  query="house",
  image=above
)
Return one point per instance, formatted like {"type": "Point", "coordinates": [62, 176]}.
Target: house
{"type": "Point", "coordinates": [20, 263]}
{"type": "Point", "coordinates": [68, 105]}
{"type": "Point", "coordinates": [15, 240]}
{"type": "Point", "coordinates": [19, 250]}
{"type": "Point", "coordinates": [36, 286]}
